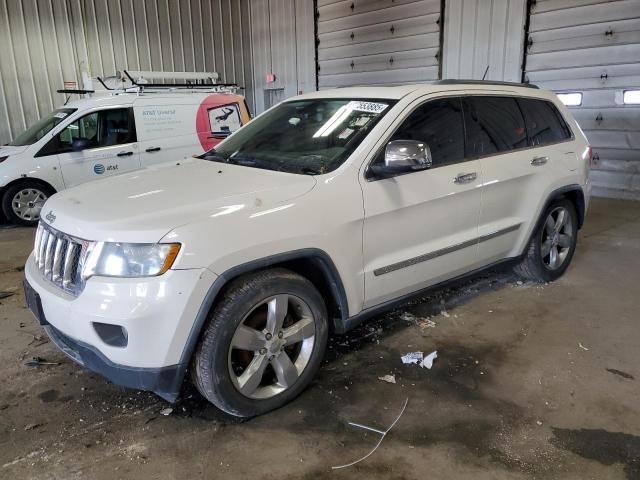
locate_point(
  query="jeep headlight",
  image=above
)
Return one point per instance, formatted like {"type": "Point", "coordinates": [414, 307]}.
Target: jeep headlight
{"type": "Point", "coordinates": [129, 259]}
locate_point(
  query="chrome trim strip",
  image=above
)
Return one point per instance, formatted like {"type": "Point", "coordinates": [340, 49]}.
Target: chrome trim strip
{"type": "Point", "coordinates": [48, 255]}
{"type": "Point", "coordinates": [36, 248]}
{"type": "Point", "coordinates": [67, 274]}
{"type": "Point", "coordinates": [56, 270]}
{"type": "Point", "coordinates": [41, 249]}
{"type": "Point", "coordinates": [444, 251]}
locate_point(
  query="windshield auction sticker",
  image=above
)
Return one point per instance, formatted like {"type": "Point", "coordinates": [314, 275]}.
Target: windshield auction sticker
{"type": "Point", "coordinates": [369, 107]}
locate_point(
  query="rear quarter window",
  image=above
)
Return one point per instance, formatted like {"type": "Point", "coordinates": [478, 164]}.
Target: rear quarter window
{"type": "Point", "coordinates": [545, 124]}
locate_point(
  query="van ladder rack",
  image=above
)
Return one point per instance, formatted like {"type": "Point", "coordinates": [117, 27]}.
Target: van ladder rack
{"type": "Point", "coordinates": [179, 85]}
{"type": "Point", "coordinates": [104, 84]}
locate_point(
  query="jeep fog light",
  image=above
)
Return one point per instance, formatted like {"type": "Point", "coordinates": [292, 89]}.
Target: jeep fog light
{"type": "Point", "coordinates": [129, 259]}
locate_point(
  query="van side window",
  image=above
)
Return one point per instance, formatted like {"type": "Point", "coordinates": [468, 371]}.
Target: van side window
{"type": "Point", "coordinates": [116, 127]}
{"type": "Point", "coordinates": [544, 123]}
{"type": "Point", "coordinates": [439, 124]}
{"type": "Point", "coordinates": [103, 128]}
{"type": "Point", "coordinates": [493, 125]}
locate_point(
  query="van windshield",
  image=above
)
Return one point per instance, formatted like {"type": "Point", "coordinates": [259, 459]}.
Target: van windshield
{"type": "Point", "coordinates": [39, 129]}
{"type": "Point", "coordinates": [309, 137]}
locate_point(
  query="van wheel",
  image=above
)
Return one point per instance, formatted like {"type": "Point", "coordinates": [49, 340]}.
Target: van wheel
{"type": "Point", "coordinates": [263, 343]}
{"type": "Point", "coordinates": [552, 245]}
{"type": "Point", "coordinates": [22, 203]}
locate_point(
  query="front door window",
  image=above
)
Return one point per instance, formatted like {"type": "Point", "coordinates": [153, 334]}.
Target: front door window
{"type": "Point", "coordinates": [103, 128]}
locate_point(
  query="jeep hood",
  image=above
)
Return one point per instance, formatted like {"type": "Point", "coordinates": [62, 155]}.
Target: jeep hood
{"type": "Point", "coordinates": [144, 205]}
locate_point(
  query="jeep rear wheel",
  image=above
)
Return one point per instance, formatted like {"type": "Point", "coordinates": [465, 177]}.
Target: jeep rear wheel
{"type": "Point", "coordinates": [553, 244]}
{"type": "Point", "coordinates": [263, 343]}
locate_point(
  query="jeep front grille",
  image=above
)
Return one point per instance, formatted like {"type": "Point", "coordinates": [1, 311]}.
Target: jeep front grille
{"type": "Point", "coordinates": [60, 257]}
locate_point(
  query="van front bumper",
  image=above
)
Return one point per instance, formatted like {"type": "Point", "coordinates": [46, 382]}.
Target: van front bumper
{"type": "Point", "coordinates": [153, 316]}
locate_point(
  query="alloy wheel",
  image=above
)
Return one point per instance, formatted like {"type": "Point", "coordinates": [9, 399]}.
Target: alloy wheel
{"type": "Point", "coordinates": [272, 346]}
{"type": "Point", "coordinates": [557, 238]}
{"type": "Point", "coordinates": [27, 203]}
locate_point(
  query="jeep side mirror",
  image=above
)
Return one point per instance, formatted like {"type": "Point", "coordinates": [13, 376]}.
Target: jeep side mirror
{"type": "Point", "coordinates": [403, 156]}
{"type": "Point", "coordinates": [79, 144]}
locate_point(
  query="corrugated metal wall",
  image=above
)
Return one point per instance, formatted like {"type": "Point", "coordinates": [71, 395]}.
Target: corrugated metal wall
{"type": "Point", "coordinates": [593, 47]}
{"type": "Point", "coordinates": [46, 42]}
{"type": "Point", "coordinates": [375, 42]}
{"type": "Point", "coordinates": [481, 33]}
{"type": "Point", "coordinates": [282, 36]}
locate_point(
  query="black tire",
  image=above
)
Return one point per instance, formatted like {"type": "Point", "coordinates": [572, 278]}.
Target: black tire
{"type": "Point", "coordinates": [13, 190]}
{"type": "Point", "coordinates": [534, 266]}
{"type": "Point", "coordinates": [211, 364]}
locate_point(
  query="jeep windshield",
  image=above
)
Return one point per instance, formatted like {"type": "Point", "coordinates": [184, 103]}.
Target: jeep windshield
{"type": "Point", "coordinates": [39, 129]}
{"type": "Point", "coordinates": [309, 137]}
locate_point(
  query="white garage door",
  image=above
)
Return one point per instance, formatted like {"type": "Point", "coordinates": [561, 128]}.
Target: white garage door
{"type": "Point", "coordinates": [592, 47]}
{"type": "Point", "coordinates": [376, 42]}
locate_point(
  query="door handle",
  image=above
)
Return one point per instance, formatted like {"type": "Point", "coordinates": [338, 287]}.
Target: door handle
{"type": "Point", "coordinates": [125, 154]}
{"type": "Point", "coordinates": [465, 177]}
{"type": "Point", "coordinates": [152, 149]}
{"type": "Point", "coordinates": [537, 161]}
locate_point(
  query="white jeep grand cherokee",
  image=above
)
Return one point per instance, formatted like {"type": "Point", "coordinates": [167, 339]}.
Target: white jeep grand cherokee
{"type": "Point", "coordinates": [323, 211]}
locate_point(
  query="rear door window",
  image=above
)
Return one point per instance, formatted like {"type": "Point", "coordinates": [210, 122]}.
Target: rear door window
{"type": "Point", "coordinates": [493, 125]}
{"type": "Point", "coordinates": [544, 123]}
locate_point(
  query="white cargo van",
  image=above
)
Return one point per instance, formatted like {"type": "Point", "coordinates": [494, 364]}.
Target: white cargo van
{"type": "Point", "coordinates": [113, 132]}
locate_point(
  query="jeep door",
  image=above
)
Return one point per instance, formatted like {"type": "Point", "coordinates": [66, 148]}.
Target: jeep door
{"type": "Point", "coordinates": [519, 143]}
{"type": "Point", "coordinates": [98, 144]}
{"type": "Point", "coordinates": [421, 228]}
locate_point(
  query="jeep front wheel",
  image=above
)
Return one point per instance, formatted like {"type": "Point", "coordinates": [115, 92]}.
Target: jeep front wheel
{"type": "Point", "coordinates": [263, 343]}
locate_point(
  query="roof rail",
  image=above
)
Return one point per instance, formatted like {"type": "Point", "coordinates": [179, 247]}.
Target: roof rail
{"type": "Point", "coordinates": [452, 81]}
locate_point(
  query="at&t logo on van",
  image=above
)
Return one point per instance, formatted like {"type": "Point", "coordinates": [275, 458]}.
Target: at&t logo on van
{"type": "Point", "coordinates": [99, 169]}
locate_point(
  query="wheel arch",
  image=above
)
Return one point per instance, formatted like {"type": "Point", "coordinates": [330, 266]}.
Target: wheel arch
{"type": "Point", "coordinates": [574, 194]}
{"type": "Point", "coordinates": [20, 180]}
{"type": "Point", "coordinates": [312, 263]}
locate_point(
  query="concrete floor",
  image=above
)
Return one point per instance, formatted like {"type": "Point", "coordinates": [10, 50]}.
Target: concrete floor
{"type": "Point", "coordinates": [531, 381]}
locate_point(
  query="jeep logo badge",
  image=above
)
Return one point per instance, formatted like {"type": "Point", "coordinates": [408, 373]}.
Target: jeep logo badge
{"type": "Point", "coordinates": [50, 217]}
